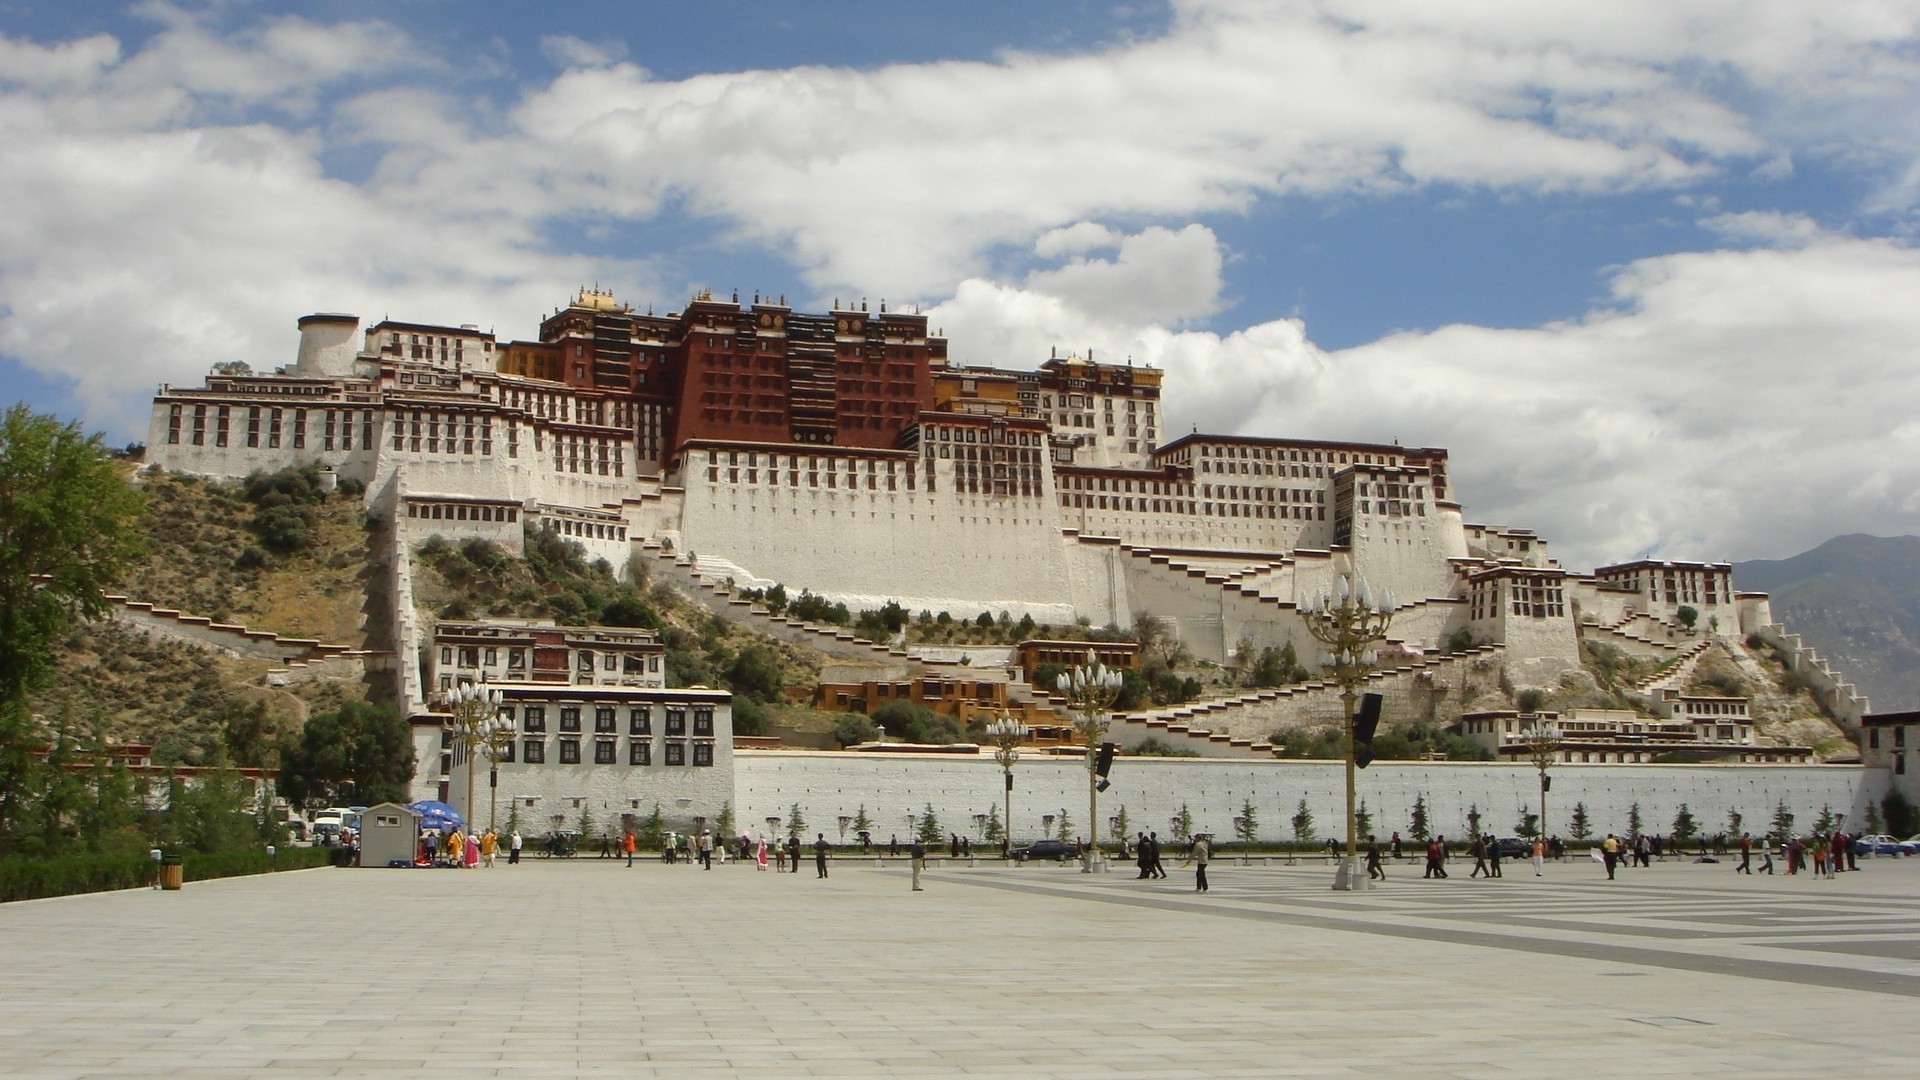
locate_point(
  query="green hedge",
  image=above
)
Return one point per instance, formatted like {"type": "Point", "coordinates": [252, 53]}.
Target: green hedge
{"type": "Point", "coordinates": [32, 879]}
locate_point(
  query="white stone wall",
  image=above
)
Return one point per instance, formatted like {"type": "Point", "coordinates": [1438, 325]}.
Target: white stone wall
{"type": "Point", "coordinates": [890, 786]}
{"type": "Point", "coordinates": [868, 546]}
{"type": "Point", "coordinates": [683, 792]}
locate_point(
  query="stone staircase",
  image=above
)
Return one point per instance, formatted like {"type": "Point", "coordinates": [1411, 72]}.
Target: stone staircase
{"type": "Point", "coordinates": [1674, 674]}
{"type": "Point", "coordinates": [1238, 726]}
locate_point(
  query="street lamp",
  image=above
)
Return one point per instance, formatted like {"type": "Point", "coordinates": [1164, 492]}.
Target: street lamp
{"type": "Point", "coordinates": [1090, 690]}
{"type": "Point", "coordinates": [474, 709]}
{"type": "Point", "coordinates": [1347, 623]}
{"type": "Point", "coordinates": [1007, 735]}
{"type": "Point", "coordinates": [1543, 746]}
{"type": "Point", "coordinates": [498, 745]}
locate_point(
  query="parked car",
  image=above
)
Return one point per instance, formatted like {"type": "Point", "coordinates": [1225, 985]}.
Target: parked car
{"type": "Point", "coordinates": [1882, 844]}
{"type": "Point", "coordinates": [1057, 850]}
{"type": "Point", "coordinates": [1513, 847]}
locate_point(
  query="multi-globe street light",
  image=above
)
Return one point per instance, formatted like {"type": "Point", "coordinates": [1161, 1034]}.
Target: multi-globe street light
{"type": "Point", "coordinates": [475, 711]}
{"type": "Point", "coordinates": [1543, 746]}
{"type": "Point", "coordinates": [1090, 690]}
{"type": "Point", "coordinates": [1347, 623]}
{"type": "Point", "coordinates": [1007, 735]}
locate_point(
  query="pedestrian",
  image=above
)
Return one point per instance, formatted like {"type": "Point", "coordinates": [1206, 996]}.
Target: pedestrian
{"type": "Point", "coordinates": [779, 856]}
{"type": "Point", "coordinates": [793, 851]}
{"type": "Point", "coordinates": [513, 847]}
{"type": "Point", "coordinates": [1795, 852]}
{"type": "Point", "coordinates": [1198, 856]}
{"type": "Point", "coordinates": [893, 844]}
{"type": "Point", "coordinates": [1610, 853]}
{"type": "Point", "coordinates": [1153, 841]}
{"type": "Point", "coordinates": [1766, 855]}
{"type": "Point", "coordinates": [1642, 852]}
{"type": "Point", "coordinates": [953, 845]}
{"type": "Point", "coordinates": [1821, 867]}
{"type": "Point", "coordinates": [1396, 844]}
{"type": "Point", "coordinates": [1374, 870]}
{"type": "Point", "coordinates": [1434, 869]}
{"type": "Point", "coordinates": [489, 842]}
{"type": "Point", "coordinates": [1142, 857]}
{"type": "Point", "coordinates": [1479, 851]}
{"type": "Point", "coordinates": [1539, 854]}
{"type": "Point", "coordinates": [760, 852]}
{"type": "Point", "coordinates": [1851, 863]}
{"type": "Point", "coordinates": [820, 847]}
{"type": "Point", "coordinates": [1493, 856]}
{"type": "Point", "coordinates": [1746, 855]}
{"type": "Point", "coordinates": [626, 845]}
{"type": "Point", "coordinates": [706, 850]}
{"type": "Point", "coordinates": [966, 847]}
{"type": "Point", "coordinates": [918, 853]}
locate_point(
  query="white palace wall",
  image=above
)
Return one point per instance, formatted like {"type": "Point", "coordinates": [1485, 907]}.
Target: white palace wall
{"type": "Point", "coordinates": [939, 550]}
{"type": "Point", "coordinates": [1153, 790]}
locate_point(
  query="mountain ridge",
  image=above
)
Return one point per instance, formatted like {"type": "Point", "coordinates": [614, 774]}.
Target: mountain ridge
{"type": "Point", "coordinates": [1856, 599]}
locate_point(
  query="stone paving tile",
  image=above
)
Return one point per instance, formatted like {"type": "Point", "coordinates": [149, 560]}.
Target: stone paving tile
{"type": "Point", "coordinates": [573, 969]}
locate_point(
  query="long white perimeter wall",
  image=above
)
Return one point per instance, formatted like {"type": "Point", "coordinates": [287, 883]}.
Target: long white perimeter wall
{"type": "Point", "coordinates": [890, 786]}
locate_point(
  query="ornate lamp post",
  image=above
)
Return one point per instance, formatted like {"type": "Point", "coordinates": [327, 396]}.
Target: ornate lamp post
{"type": "Point", "coordinates": [475, 709]}
{"type": "Point", "coordinates": [1543, 746]}
{"type": "Point", "coordinates": [1347, 623]}
{"type": "Point", "coordinates": [1090, 690]}
{"type": "Point", "coordinates": [498, 745]}
{"type": "Point", "coordinates": [1007, 735]}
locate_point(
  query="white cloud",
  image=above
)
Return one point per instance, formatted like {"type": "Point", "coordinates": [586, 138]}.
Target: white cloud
{"type": "Point", "coordinates": [1157, 275]}
{"type": "Point", "coordinates": [1736, 404]}
{"type": "Point", "coordinates": [1766, 227]}
{"type": "Point", "coordinates": [571, 52]}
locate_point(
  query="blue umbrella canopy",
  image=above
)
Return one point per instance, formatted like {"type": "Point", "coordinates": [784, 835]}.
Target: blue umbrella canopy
{"type": "Point", "coordinates": [435, 814]}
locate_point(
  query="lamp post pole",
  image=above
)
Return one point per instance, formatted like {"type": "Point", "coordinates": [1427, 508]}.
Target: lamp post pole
{"type": "Point", "coordinates": [1090, 690]}
{"type": "Point", "coordinates": [1347, 622]}
{"type": "Point", "coordinates": [1007, 734]}
{"type": "Point", "coordinates": [1543, 745]}
{"type": "Point", "coordinates": [474, 710]}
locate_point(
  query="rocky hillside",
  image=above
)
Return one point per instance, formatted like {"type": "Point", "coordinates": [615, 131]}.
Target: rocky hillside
{"type": "Point", "coordinates": [1857, 600]}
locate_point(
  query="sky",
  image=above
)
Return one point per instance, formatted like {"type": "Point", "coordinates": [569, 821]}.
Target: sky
{"type": "Point", "coordinates": [1646, 270]}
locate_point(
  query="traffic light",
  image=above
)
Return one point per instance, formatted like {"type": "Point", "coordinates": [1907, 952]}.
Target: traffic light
{"type": "Point", "coordinates": [1364, 723]}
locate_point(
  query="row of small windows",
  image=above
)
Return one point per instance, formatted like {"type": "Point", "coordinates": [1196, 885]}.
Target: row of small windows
{"type": "Point", "coordinates": [269, 425]}
{"type": "Point", "coordinates": [477, 656]}
{"type": "Point", "coordinates": [433, 432]}
{"type": "Point", "coordinates": [607, 752]}
{"type": "Point", "coordinates": [1539, 598]}
{"type": "Point", "coordinates": [533, 719]}
{"type": "Point", "coordinates": [462, 512]}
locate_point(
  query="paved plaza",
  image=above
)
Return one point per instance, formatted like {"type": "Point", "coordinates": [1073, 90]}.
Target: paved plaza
{"type": "Point", "coordinates": [586, 967]}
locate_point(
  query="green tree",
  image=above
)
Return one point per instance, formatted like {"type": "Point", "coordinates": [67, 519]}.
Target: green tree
{"type": "Point", "coordinates": [1302, 822]}
{"type": "Point", "coordinates": [931, 833]}
{"type": "Point", "coordinates": [1783, 821]}
{"type": "Point", "coordinates": [1362, 820]}
{"type": "Point", "coordinates": [1824, 824]}
{"type": "Point", "coordinates": [1183, 824]}
{"type": "Point", "coordinates": [653, 830]}
{"type": "Point", "coordinates": [1473, 819]}
{"type": "Point", "coordinates": [1873, 818]}
{"type": "Point", "coordinates": [1417, 826]}
{"type": "Point", "coordinates": [585, 826]}
{"type": "Point", "coordinates": [1120, 826]}
{"type": "Point", "coordinates": [1684, 826]}
{"type": "Point", "coordinates": [1065, 825]}
{"type": "Point", "coordinates": [1528, 825]}
{"type": "Point", "coordinates": [853, 729]}
{"type": "Point", "coordinates": [360, 753]}
{"type": "Point", "coordinates": [66, 536]}
{"type": "Point", "coordinates": [1633, 822]}
{"type": "Point", "coordinates": [1579, 824]}
{"type": "Point", "coordinates": [1687, 615]}
{"type": "Point", "coordinates": [1733, 822]}
{"type": "Point", "coordinates": [724, 823]}
{"type": "Point", "coordinates": [995, 830]}
{"type": "Point", "coordinates": [1901, 820]}
{"type": "Point", "coordinates": [796, 822]}
{"type": "Point", "coordinates": [861, 822]}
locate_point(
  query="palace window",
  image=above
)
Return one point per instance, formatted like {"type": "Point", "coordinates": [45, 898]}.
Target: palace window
{"type": "Point", "coordinates": [569, 751]}
{"type": "Point", "coordinates": [534, 751]}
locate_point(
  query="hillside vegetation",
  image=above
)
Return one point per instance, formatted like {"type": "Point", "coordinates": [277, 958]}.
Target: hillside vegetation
{"type": "Point", "coordinates": [273, 553]}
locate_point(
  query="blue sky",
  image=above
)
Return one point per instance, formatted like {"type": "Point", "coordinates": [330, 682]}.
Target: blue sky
{"type": "Point", "coordinates": [1646, 269]}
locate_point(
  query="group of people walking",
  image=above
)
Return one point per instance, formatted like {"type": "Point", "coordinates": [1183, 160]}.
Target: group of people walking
{"type": "Point", "coordinates": [462, 849]}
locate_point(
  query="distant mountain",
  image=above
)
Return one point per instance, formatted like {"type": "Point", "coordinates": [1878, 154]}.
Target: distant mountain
{"type": "Point", "coordinates": [1857, 600]}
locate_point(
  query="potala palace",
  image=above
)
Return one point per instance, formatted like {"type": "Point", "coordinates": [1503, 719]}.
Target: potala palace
{"type": "Point", "coordinates": [744, 444]}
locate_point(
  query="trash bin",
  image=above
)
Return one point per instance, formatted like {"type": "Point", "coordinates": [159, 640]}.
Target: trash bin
{"type": "Point", "coordinates": [172, 874]}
